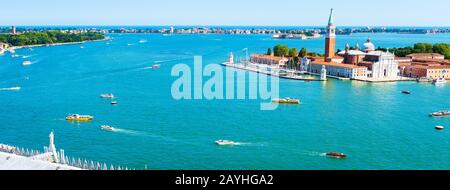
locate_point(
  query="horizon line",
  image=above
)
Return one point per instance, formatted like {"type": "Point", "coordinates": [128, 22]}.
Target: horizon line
{"type": "Point", "coordinates": [209, 25]}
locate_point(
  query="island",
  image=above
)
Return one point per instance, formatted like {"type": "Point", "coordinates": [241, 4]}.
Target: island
{"type": "Point", "coordinates": [48, 38]}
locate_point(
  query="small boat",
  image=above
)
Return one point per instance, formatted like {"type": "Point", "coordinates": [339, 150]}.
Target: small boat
{"type": "Point", "coordinates": [439, 81]}
{"type": "Point", "coordinates": [114, 103]}
{"type": "Point", "coordinates": [336, 155]}
{"type": "Point", "coordinates": [440, 114]}
{"type": "Point", "coordinates": [25, 63]}
{"type": "Point", "coordinates": [406, 92]}
{"type": "Point", "coordinates": [17, 88]}
{"type": "Point", "coordinates": [15, 55]}
{"type": "Point", "coordinates": [142, 41]}
{"type": "Point", "coordinates": [226, 142]}
{"type": "Point", "coordinates": [109, 96]}
{"type": "Point", "coordinates": [108, 128]}
{"type": "Point", "coordinates": [439, 127]}
{"type": "Point", "coordinates": [156, 66]}
{"type": "Point", "coordinates": [82, 47]}
{"type": "Point", "coordinates": [286, 101]}
{"type": "Point", "coordinates": [78, 117]}
{"type": "Point", "coordinates": [423, 79]}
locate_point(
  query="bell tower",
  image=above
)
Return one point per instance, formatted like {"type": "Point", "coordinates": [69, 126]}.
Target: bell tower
{"type": "Point", "coordinates": [330, 39]}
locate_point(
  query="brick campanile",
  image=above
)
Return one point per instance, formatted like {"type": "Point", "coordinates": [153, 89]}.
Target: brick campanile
{"type": "Point", "coordinates": [330, 40]}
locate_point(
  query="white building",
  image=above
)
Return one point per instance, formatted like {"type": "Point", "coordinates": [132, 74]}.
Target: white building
{"type": "Point", "coordinates": [382, 65]}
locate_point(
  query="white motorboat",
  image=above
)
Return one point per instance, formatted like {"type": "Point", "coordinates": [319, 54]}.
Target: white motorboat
{"type": "Point", "coordinates": [17, 88]}
{"type": "Point", "coordinates": [25, 63]}
{"type": "Point", "coordinates": [440, 81]}
{"type": "Point", "coordinates": [108, 128]}
{"type": "Point", "coordinates": [440, 127]}
{"type": "Point", "coordinates": [109, 95]}
{"type": "Point", "coordinates": [226, 142]}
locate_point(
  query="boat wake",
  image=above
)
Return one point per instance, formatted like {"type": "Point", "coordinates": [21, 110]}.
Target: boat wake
{"type": "Point", "coordinates": [17, 88]}
{"type": "Point", "coordinates": [27, 56]}
{"type": "Point", "coordinates": [316, 154]}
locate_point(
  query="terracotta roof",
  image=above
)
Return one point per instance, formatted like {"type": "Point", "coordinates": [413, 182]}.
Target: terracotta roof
{"type": "Point", "coordinates": [432, 66]}
{"type": "Point", "coordinates": [424, 55]}
{"type": "Point", "coordinates": [318, 62]}
{"type": "Point", "coordinates": [424, 60]}
{"type": "Point", "coordinates": [263, 56]}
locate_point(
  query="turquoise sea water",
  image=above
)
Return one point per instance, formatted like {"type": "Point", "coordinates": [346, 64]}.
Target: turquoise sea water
{"type": "Point", "coordinates": [376, 125]}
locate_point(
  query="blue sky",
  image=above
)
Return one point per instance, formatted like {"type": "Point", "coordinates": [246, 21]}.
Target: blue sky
{"type": "Point", "coordinates": [225, 12]}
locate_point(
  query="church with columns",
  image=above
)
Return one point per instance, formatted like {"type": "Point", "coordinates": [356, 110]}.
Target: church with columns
{"type": "Point", "coordinates": [355, 63]}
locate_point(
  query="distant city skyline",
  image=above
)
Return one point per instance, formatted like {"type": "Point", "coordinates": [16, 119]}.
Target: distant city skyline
{"type": "Point", "coordinates": [223, 13]}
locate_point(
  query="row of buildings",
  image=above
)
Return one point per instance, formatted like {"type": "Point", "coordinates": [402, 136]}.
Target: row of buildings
{"type": "Point", "coordinates": [366, 63]}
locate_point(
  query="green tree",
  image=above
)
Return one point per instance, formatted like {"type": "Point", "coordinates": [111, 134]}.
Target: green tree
{"type": "Point", "coordinates": [269, 51]}
{"type": "Point", "coordinates": [423, 48]}
{"type": "Point", "coordinates": [443, 49]}
{"type": "Point", "coordinates": [303, 52]}
{"type": "Point", "coordinates": [281, 50]}
{"type": "Point", "coordinates": [293, 53]}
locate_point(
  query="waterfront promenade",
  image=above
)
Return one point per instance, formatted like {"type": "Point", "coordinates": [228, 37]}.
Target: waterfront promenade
{"type": "Point", "coordinates": [271, 71]}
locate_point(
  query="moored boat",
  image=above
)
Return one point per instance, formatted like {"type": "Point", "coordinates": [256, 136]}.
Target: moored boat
{"type": "Point", "coordinates": [286, 101]}
{"type": "Point", "coordinates": [439, 81]}
{"type": "Point", "coordinates": [423, 79]}
{"type": "Point", "coordinates": [440, 114]}
{"type": "Point", "coordinates": [78, 117]}
{"type": "Point", "coordinates": [336, 155]}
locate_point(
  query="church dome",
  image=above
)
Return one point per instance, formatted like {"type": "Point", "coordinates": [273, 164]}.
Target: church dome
{"type": "Point", "coordinates": [369, 46]}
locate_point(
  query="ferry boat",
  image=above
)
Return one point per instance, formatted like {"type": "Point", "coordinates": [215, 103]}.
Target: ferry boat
{"type": "Point", "coordinates": [25, 63]}
{"type": "Point", "coordinates": [336, 155]}
{"type": "Point", "coordinates": [226, 142]}
{"type": "Point", "coordinates": [439, 127]}
{"type": "Point", "coordinates": [440, 114]}
{"type": "Point", "coordinates": [108, 128]}
{"type": "Point", "coordinates": [109, 95]}
{"type": "Point", "coordinates": [78, 117]}
{"type": "Point", "coordinates": [286, 101]}
{"type": "Point", "coordinates": [440, 81]}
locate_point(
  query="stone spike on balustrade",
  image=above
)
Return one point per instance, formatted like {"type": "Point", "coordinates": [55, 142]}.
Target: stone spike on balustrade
{"type": "Point", "coordinates": [91, 165]}
{"type": "Point", "coordinates": [105, 167]}
{"type": "Point", "coordinates": [85, 164]}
